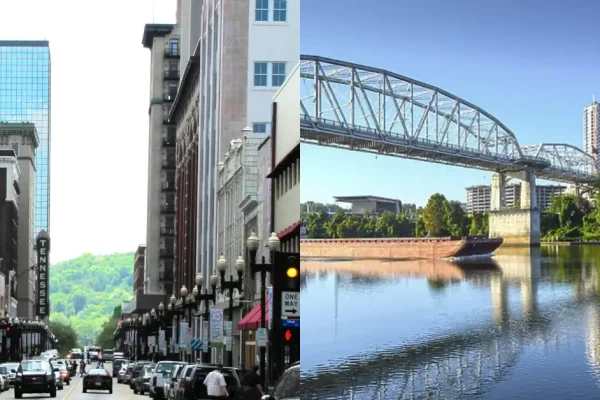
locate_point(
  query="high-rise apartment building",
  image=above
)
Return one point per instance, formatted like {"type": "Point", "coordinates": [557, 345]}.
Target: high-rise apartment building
{"type": "Point", "coordinates": [591, 128]}
{"type": "Point", "coordinates": [23, 139]}
{"type": "Point", "coordinates": [25, 97]}
{"type": "Point", "coordinates": [163, 42]}
{"type": "Point", "coordinates": [479, 197]}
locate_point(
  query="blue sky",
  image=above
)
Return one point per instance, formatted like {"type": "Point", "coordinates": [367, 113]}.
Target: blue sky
{"type": "Point", "coordinates": [531, 65]}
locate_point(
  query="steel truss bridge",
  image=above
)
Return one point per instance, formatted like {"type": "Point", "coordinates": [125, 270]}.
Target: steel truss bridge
{"type": "Point", "coordinates": [367, 109]}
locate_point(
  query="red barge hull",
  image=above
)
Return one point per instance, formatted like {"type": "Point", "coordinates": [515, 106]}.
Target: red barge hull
{"type": "Point", "coordinates": [398, 248]}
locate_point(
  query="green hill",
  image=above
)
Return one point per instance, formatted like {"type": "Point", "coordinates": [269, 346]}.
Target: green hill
{"type": "Point", "coordinates": [84, 291]}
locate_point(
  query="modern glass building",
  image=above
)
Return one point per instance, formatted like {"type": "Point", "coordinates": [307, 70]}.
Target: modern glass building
{"type": "Point", "coordinates": [25, 97]}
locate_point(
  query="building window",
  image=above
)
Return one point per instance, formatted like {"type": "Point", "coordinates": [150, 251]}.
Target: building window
{"type": "Point", "coordinates": [174, 47]}
{"type": "Point", "coordinates": [260, 74]}
{"type": "Point", "coordinates": [280, 10]}
{"type": "Point", "coordinates": [15, 147]}
{"type": "Point", "coordinates": [260, 127]}
{"type": "Point", "coordinates": [278, 74]}
{"type": "Point", "coordinates": [262, 10]}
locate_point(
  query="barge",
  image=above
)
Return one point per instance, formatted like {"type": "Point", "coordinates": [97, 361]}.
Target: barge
{"type": "Point", "coordinates": [399, 248]}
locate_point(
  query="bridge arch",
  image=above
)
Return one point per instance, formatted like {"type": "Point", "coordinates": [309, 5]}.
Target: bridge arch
{"type": "Point", "coordinates": [371, 109]}
{"type": "Point", "coordinates": [568, 163]}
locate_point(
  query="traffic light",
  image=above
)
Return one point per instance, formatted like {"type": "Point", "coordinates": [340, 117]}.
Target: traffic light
{"type": "Point", "coordinates": [292, 274]}
{"type": "Point", "coordinates": [291, 336]}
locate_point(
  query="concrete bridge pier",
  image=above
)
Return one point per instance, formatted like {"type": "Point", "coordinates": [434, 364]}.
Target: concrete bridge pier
{"type": "Point", "coordinates": [518, 226]}
{"type": "Point", "coordinates": [499, 289]}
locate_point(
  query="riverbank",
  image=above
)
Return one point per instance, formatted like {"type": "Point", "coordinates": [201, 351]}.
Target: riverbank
{"type": "Point", "coordinates": [566, 243]}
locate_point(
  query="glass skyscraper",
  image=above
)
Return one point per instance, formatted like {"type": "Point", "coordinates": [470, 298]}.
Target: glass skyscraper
{"type": "Point", "coordinates": [25, 97]}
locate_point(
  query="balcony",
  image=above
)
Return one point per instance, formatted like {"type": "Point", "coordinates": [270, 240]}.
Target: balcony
{"type": "Point", "coordinates": [167, 230]}
{"type": "Point", "coordinates": [170, 74]}
{"type": "Point", "coordinates": [167, 208]}
{"type": "Point", "coordinates": [169, 140]}
{"type": "Point", "coordinates": [167, 186]}
{"type": "Point", "coordinates": [167, 253]}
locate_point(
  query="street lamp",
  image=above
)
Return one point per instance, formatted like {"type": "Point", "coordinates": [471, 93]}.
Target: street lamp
{"type": "Point", "coordinates": [231, 285]}
{"type": "Point", "coordinates": [274, 245]}
{"type": "Point", "coordinates": [177, 311]}
{"type": "Point", "coordinates": [206, 298]}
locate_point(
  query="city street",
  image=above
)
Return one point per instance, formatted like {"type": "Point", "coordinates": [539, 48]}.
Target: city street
{"type": "Point", "coordinates": [74, 392]}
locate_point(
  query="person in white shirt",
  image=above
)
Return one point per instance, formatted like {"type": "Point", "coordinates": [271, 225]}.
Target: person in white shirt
{"type": "Point", "coordinates": [216, 388]}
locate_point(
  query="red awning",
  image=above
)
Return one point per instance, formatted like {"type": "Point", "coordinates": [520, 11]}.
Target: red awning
{"type": "Point", "coordinates": [289, 230]}
{"type": "Point", "coordinates": [251, 321]}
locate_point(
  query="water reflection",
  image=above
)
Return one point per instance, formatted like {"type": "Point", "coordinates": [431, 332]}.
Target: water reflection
{"type": "Point", "coordinates": [444, 330]}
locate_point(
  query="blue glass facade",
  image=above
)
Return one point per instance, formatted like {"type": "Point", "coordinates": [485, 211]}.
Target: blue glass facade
{"type": "Point", "coordinates": [25, 97]}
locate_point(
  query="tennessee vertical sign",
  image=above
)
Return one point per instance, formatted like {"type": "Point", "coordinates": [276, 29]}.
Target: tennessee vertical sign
{"type": "Point", "coordinates": [43, 252]}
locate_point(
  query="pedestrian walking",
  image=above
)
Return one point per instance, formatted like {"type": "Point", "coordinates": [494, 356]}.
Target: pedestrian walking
{"type": "Point", "coordinates": [251, 383]}
{"type": "Point", "coordinates": [100, 361]}
{"type": "Point", "coordinates": [216, 387]}
{"type": "Point", "coordinates": [82, 368]}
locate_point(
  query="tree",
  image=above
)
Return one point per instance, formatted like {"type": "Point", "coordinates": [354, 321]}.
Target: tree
{"type": "Point", "coordinates": [315, 225]}
{"type": "Point", "coordinates": [65, 335]}
{"type": "Point", "coordinates": [436, 215]}
{"type": "Point", "coordinates": [105, 339]}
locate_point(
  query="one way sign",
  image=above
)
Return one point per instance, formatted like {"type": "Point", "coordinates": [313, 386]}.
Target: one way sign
{"type": "Point", "coordinates": [290, 304]}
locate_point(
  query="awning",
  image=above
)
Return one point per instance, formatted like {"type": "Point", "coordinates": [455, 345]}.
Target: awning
{"type": "Point", "coordinates": [251, 321]}
{"type": "Point", "coordinates": [289, 230]}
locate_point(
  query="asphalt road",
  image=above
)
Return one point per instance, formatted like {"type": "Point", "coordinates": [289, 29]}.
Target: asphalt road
{"type": "Point", "coordinates": [74, 392]}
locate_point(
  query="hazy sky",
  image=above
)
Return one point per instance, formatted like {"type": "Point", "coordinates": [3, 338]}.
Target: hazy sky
{"type": "Point", "coordinates": [100, 99]}
{"type": "Point", "coordinates": [532, 64]}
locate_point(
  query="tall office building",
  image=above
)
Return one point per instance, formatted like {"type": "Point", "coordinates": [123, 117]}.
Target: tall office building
{"type": "Point", "coordinates": [163, 42]}
{"type": "Point", "coordinates": [591, 128]}
{"type": "Point", "coordinates": [25, 97]}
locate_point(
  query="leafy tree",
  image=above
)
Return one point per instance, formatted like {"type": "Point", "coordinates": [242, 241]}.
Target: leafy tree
{"type": "Point", "coordinates": [65, 335]}
{"type": "Point", "coordinates": [436, 215]}
{"type": "Point", "coordinates": [315, 225]}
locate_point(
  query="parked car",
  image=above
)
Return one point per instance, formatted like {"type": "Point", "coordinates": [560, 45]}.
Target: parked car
{"type": "Point", "coordinates": [141, 384]}
{"type": "Point", "coordinates": [127, 375]}
{"type": "Point", "coordinates": [288, 385]}
{"type": "Point", "coordinates": [116, 366]}
{"type": "Point", "coordinates": [12, 372]}
{"type": "Point", "coordinates": [35, 376]}
{"type": "Point", "coordinates": [76, 354]}
{"type": "Point", "coordinates": [135, 373]}
{"type": "Point", "coordinates": [98, 379]}
{"type": "Point", "coordinates": [160, 377]}
{"type": "Point", "coordinates": [3, 384]}
{"type": "Point", "coordinates": [176, 389]}
{"type": "Point", "coordinates": [122, 372]}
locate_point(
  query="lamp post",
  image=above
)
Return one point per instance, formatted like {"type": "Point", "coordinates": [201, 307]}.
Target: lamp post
{"type": "Point", "coordinates": [188, 302]}
{"type": "Point", "coordinates": [154, 325]}
{"type": "Point", "coordinates": [164, 318]}
{"type": "Point", "coordinates": [206, 298]}
{"type": "Point", "coordinates": [231, 285]}
{"type": "Point", "coordinates": [274, 245]}
{"type": "Point", "coordinates": [177, 313]}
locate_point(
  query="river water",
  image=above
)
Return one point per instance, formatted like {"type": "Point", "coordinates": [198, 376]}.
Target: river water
{"type": "Point", "coordinates": [523, 325]}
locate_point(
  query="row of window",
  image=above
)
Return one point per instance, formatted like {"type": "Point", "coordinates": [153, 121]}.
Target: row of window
{"type": "Point", "coordinates": [262, 71]}
{"type": "Point", "coordinates": [270, 10]}
{"type": "Point", "coordinates": [289, 178]}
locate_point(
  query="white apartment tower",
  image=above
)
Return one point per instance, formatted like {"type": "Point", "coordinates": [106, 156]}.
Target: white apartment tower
{"type": "Point", "coordinates": [591, 128]}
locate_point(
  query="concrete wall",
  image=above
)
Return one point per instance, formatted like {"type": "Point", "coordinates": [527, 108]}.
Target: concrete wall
{"type": "Point", "coordinates": [283, 40]}
{"type": "Point", "coordinates": [288, 111]}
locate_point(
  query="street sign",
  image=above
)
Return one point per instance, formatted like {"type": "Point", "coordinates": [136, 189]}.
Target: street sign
{"type": "Point", "coordinates": [261, 337]}
{"type": "Point", "coordinates": [290, 323]}
{"type": "Point", "coordinates": [290, 304]}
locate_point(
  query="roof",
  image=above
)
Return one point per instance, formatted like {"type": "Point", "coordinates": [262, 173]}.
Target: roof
{"type": "Point", "coordinates": [350, 199]}
{"type": "Point", "coordinates": [26, 129]}
{"type": "Point", "coordinates": [155, 30]}
{"type": "Point", "coordinates": [24, 43]}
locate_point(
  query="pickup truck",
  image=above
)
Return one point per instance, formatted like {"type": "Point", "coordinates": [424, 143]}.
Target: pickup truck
{"type": "Point", "coordinates": [160, 377]}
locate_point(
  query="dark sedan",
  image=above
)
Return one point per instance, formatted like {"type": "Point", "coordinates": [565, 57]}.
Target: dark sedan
{"type": "Point", "coordinates": [35, 376]}
{"type": "Point", "coordinates": [98, 379]}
